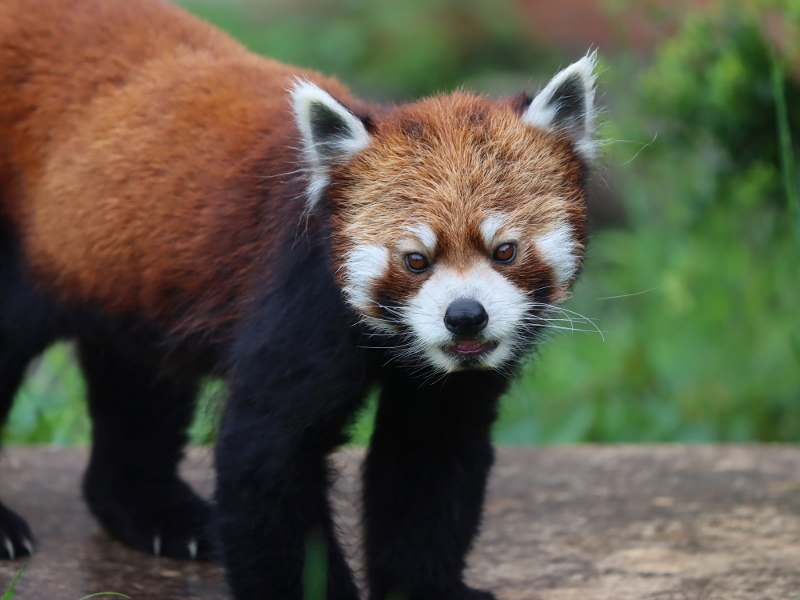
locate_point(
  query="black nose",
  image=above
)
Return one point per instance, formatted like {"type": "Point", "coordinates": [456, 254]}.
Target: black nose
{"type": "Point", "coordinates": [465, 316]}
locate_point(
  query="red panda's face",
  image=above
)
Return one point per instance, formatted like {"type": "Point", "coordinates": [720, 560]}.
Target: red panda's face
{"type": "Point", "coordinates": [459, 222]}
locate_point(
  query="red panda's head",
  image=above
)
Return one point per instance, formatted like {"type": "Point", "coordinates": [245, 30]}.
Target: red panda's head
{"type": "Point", "coordinates": [458, 222]}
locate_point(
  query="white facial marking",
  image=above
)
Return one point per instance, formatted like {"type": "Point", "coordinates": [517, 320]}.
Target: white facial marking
{"type": "Point", "coordinates": [425, 235]}
{"type": "Point", "coordinates": [490, 227]}
{"type": "Point", "coordinates": [363, 266]}
{"type": "Point", "coordinates": [504, 302]}
{"type": "Point", "coordinates": [557, 248]}
{"type": "Point", "coordinates": [322, 147]}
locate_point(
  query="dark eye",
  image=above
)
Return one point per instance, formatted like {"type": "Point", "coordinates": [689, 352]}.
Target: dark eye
{"type": "Point", "coordinates": [416, 263]}
{"type": "Point", "coordinates": [505, 253]}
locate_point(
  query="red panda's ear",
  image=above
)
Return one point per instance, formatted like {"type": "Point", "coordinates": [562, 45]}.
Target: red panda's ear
{"type": "Point", "coordinates": [330, 134]}
{"type": "Point", "coordinates": [567, 104]}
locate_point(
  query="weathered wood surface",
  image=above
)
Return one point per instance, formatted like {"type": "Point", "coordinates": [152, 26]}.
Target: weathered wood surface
{"type": "Point", "coordinates": [582, 523]}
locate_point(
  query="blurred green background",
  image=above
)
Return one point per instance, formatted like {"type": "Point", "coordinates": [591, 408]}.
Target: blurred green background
{"type": "Point", "coordinates": [693, 275]}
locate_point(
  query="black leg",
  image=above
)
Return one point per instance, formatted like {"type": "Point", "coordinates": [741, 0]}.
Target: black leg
{"type": "Point", "coordinates": [272, 476]}
{"type": "Point", "coordinates": [16, 539]}
{"type": "Point", "coordinates": [139, 421]}
{"type": "Point", "coordinates": [298, 377]}
{"type": "Point", "coordinates": [26, 328]}
{"type": "Point", "coordinates": [424, 484]}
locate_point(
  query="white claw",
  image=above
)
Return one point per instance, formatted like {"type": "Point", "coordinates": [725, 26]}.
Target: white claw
{"type": "Point", "coordinates": [28, 545]}
{"type": "Point", "coordinates": [9, 548]}
{"type": "Point", "coordinates": [193, 548]}
{"type": "Point", "coordinates": [157, 545]}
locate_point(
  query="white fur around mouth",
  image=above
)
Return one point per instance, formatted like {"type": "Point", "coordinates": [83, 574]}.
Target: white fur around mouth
{"type": "Point", "coordinates": [493, 357]}
{"type": "Point", "coordinates": [505, 304]}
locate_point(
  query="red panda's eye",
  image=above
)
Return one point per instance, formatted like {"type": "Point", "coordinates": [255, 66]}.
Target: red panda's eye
{"type": "Point", "coordinates": [505, 253]}
{"type": "Point", "coordinates": [416, 263]}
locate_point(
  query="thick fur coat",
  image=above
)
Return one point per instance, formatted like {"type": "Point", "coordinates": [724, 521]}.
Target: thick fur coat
{"type": "Point", "coordinates": [181, 207]}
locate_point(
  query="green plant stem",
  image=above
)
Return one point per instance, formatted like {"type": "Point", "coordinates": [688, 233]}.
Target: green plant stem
{"type": "Point", "coordinates": [315, 568]}
{"type": "Point", "coordinates": [9, 593]}
{"type": "Point", "coordinates": [785, 142]}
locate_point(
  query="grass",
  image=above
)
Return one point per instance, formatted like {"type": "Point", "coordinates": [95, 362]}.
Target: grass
{"type": "Point", "coordinates": [315, 568]}
{"type": "Point", "coordinates": [9, 593]}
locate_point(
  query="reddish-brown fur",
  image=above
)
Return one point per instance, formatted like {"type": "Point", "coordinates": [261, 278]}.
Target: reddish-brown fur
{"type": "Point", "coordinates": [130, 160]}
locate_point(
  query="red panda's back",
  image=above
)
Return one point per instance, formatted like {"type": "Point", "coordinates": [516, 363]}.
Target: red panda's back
{"type": "Point", "coordinates": [131, 138]}
{"type": "Point", "coordinates": [57, 56]}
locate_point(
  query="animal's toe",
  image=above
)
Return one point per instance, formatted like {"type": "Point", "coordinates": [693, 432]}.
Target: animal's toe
{"type": "Point", "coordinates": [16, 540]}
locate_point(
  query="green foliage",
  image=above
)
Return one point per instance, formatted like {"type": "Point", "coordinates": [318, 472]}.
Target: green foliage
{"type": "Point", "coordinates": [49, 407]}
{"type": "Point", "coordinates": [393, 49]}
{"type": "Point", "coordinates": [712, 86]}
{"type": "Point", "coordinates": [209, 407]}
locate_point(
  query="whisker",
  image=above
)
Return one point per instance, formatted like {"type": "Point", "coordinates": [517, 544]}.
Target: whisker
{"type": "Point", "coordinates": [572, 329]}
{"type": "Point", "coordinates": [629, 295]}
{"type": "Point", "coordinates": [577, 314]}
{"type": "Point", "coordinates": [295, 172]}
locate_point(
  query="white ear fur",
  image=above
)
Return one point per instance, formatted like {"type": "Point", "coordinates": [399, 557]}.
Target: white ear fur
{"type": "Point", "coordinates": [330, 134]}
{"type": "Point", "coordinates": [567, 104]}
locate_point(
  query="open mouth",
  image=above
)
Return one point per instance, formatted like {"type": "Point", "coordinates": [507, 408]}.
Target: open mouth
{"type": "Point", "coordinates": [470, 348]}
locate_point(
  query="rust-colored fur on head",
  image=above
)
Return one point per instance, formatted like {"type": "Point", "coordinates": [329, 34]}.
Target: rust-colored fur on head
{"type": "Point", "coordinates": [455, 183]}
{"type": "Point", "coordinates": [452, 162]}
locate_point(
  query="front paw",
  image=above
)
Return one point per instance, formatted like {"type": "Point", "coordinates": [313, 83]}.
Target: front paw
{"type": "Point", "coordinates": [162, 519]}
{"type": "Point", "coordinates": [16, 540]}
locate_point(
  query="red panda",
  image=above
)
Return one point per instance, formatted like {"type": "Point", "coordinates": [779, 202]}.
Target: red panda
{"type": "Point", "coordinates": [181, 207]}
